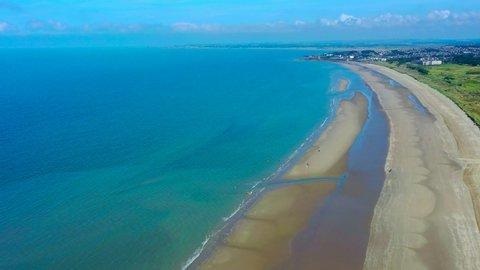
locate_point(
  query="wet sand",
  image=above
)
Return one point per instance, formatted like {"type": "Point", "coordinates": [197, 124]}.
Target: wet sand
{"type": "Point", "coordinates": [426, 216]}
{"type": "Point", "coordinates": [327, 156]}
{"type": "Point", "coordinates": [337, 234]}
{"type": "Point", "coordinates": [262, 238]}
{"type": "Point", "coordinates": [343, 85]}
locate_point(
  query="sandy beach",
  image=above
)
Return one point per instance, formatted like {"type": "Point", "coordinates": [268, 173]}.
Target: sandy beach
{"type": "Point", "coordinates": [261, 239]}
{"type": "Point", "coordinates": [428, 211]}
{"type": "Point", "coordinates": [326, 157]}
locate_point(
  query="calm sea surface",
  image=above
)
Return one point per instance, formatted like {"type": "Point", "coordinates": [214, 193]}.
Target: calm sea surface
{"type": "Point", "coordinates": [129, 158]}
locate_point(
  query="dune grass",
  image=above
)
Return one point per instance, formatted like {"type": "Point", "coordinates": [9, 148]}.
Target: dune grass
{"type": "Point", "coordinates": [460, 83]}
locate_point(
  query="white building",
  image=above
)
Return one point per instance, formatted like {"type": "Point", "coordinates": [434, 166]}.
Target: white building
{"type": "Point", "coordinates": [431, 62]}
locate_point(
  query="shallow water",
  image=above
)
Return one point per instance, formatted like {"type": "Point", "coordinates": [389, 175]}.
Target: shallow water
{"type": "Point", "coordinates": [129, 158]}
{"type": "Point", "coordinates": [337, 234]}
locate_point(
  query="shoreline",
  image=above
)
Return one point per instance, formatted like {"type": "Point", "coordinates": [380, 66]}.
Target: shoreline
{"type": "Point", "coordinates": [258, 189]}
{"type": "Point", "coordinates": [239, 236]}
{"type": "Point", "coordinates": [337, 234]}
{"type": "Point", "coordinates": [423, 219]}
{"type": "Point", "coordinates": [260, 239]}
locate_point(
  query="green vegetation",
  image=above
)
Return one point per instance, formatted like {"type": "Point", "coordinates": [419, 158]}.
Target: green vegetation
{"type": "Point", "coordinates": [419, 68]}
{"type": "Point", "coordinates": [461, 83]}
{"type": "Point", "coordinates": [466, 59]}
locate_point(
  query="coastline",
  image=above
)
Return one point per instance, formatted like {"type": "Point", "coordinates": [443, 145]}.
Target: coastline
{"type": "Point", "coordinates": [327, 157]}
{"type": "Point", "coordinates": [343, 182]}
{"type": "Point", "coordinates": [423, 219]}
{"type": "Point", "coordinates": [259, 189]}
{"type": "Point", "coordinates": [261, 238]}
{"type": "Point", "coordinates": [356, 186]}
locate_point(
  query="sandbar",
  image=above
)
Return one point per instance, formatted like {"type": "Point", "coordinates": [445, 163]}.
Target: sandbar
{"type": "Point", "coordinates": [343, 85]}
{"type": "Point", "coordinates": [261, 239]}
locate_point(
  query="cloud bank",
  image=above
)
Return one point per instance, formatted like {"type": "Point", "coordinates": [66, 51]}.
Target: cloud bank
{"type": "Point", "coordinates": [435, 18]}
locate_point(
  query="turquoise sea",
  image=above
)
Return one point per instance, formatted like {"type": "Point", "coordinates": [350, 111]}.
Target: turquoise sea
{"type": "Point", "coordinates": [128, 158]}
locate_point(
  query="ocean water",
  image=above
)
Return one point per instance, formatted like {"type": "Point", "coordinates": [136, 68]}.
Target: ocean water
{"type": "Point", "coordinates": [128, 158]}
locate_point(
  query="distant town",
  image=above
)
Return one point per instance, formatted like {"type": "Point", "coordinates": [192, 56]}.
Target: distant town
{"type": "Point", "coordinates": [427, 56]}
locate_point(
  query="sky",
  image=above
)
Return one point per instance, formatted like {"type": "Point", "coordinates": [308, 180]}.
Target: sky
{"type": "Point", "coordinates": [181, 21]}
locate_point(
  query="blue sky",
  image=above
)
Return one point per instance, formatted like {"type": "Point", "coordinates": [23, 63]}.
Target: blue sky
{"type": "Point", "coordinates": [252, 20]}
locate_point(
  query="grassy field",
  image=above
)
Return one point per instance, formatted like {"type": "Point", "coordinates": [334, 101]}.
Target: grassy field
{"type": "Point", "coordinates": [461, 83]}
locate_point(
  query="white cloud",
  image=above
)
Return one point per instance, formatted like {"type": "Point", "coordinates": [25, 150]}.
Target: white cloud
{"type": "Point", "coordinates": [347, 19]}
{"type": "Point", "coordinates": [343, 19]}
{"type": "Point", "coordinates": [471, 17]}
{"type": "Point", "coordinates": [193, 27]}
{"type": "Point", "coordinates": [389, 19]}
{"type": "Point", "coordinates": [300, 23]}
{"type": "Point", "coordinates": [454, 18]}
{"type": "Point", "coordinates": [184, 27]}
{"type": "Point", "coordinates": [439, 14]}
{"type": "Point", "coordinates": [435, 18]}
{"type": "Point", "coordinates": [327, 22]}
{"type": "Point", "coordinates": [46, 26]}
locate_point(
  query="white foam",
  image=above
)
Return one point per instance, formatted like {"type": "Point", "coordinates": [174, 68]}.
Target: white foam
{"type": "Point", "coordinates": [234, 212]}
{"type": "Point", "coordinates": [197, 253]}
